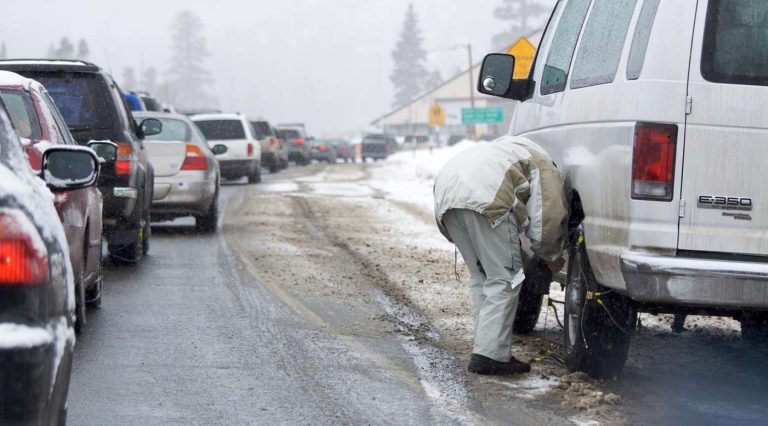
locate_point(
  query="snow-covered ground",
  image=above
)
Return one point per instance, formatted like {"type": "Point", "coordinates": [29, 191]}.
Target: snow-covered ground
{"type": "Point", "coordinates": [410, 175]}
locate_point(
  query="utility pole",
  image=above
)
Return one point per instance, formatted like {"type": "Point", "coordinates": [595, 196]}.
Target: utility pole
{"type": "Point", "coordinates": [471, 128]}
{"type": "Point", "coordinates": [471, 77]}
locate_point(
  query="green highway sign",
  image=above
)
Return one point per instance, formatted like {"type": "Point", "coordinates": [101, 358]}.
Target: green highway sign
{"type": "Point", "coordinates": [482, 116]}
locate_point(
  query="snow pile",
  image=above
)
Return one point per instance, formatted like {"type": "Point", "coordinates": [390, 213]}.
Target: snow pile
{"type": "Point", "coordinates": [409, 176]}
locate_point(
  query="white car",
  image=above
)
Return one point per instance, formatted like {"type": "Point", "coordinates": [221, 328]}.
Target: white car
{"type": "Point", "coordinates": [242, 156]}
{"type": "Point", "coordinates": [655, 112]}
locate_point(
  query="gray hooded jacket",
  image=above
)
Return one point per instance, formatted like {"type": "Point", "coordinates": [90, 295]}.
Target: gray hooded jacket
{"type": "Point", "coordinates": [510, 175]}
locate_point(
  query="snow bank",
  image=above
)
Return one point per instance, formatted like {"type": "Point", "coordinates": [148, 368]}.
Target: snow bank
{"type": "Point", "coordinates": [409, 176]}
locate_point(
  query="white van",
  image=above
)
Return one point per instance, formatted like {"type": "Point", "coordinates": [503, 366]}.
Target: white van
{"type": "Point", "coordinates": [655, 111]}
{"type": "Point", "coordinates": [242, 153]}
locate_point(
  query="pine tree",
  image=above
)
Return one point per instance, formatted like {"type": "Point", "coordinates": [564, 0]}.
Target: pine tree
{"type": "Point", "coordinates": [524, 17]}
{"type": "Point", "coordinates": [410, 73]}
{"type": "Point", "coordinates": [83, 51]}
{"type": "Point", "coordinates": [66, 49]}
{"type": "Point", "coordinates": [3, 52]}
{"type": "Point", "coordinates": [187, 77]}
{"type": "Point", "coordinates": [129, 79]}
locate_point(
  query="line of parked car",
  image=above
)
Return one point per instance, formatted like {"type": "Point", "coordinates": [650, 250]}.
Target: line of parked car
{"type": "Point", "coordinates": [83, 166]}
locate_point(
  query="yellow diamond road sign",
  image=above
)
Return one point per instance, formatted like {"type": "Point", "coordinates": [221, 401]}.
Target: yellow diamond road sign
{"type": "Point", "coordinates": [436, 115]}
{"type": "Point", "coordinates": [524, 52]}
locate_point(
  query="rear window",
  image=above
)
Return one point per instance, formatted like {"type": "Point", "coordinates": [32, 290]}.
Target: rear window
{"type": "Point", "coordinates": [83, 99]}
{"type": "Point", "coordinates": [23, 114]}
{"type": "Point", "coordinates": [173, 130]}
{"type": "Point", "coordinates": [221, 130]}
{"type": "Point", "coordinates": [736, 42]}
{"type": "Point", "coordinates": [261, 129]}
{"type": "Point", "coordinates": [290, 134]}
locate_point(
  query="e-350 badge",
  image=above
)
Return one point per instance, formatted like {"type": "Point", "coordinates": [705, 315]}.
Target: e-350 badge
{"type": "Point", "coordinates": [725, 203]}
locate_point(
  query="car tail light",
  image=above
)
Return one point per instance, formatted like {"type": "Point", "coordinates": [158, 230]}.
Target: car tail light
{"type": "Point", "coordinates": [124, 158]}
{"type": "Point", "coordinates": [323, 148]}
{"type": "Point", "coordinates": [280, 142]}
{"type": "Point", "coordinates": [23, 256]}
{"type": "Point", "coordinates": [341, 148]}
{"type": "Point", "coordinates": [298, 141]}
{"type": "Point", "coordinates": [250, 150]}
{"type": "Point", "coordinates": [195, 159]}
{"type": "Point", "coordinates": [653, 162]}
{"type": "Point", "coordinates": [271, 141]}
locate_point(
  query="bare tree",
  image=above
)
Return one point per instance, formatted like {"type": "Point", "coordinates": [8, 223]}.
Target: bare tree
{"type": "Point", "coordinates": [188, 77]}
{"type": "Point", "coordinates": [83, 51]}
{"type": "Point", "coordinates": [524, 17]}
{"type": "Point", "coordinates": [65, 50]}
{"type": "Point", "coordinates": [129, 79]}
{"type": "Point", "coordinates": [410, 73]}
{"type": "Point", "coordinates": [149, 80]}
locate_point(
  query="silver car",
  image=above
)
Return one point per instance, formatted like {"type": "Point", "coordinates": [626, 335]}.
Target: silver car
{"type": "Point", "coordinates": [187, 176]}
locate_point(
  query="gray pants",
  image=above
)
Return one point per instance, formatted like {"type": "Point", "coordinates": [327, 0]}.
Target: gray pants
{"type": "Point", "coordinates": [496, 275]}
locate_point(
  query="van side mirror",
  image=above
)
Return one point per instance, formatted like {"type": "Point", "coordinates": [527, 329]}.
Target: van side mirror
{"type": "Point", "coordinates": [496, 78]}
{"type": "Point", "coordinates": [69, 168]}
{"type": "Point", "coordinates": [151, 127]}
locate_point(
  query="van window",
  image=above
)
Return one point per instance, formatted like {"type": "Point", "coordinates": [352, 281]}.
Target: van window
{"type": "Point", "coordinates": [558, 63]}
{"type": "Point", "coordinates": [641, 38]}
{"type": "Point", "coordinates": [602, 43]}
{"type": "Point", "coordinates": [221, 130]}
{"type": "Point", "coordinates": [736, 42]}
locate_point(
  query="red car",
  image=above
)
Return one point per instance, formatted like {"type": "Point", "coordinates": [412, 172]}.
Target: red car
{"type": "Point", "coordinates": [40, 126]}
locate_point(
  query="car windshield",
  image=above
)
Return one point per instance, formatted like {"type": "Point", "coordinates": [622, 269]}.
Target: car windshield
{"type": "Point", "coordinates": [736, 42]}
{"type": "Point", "coordinates": [22, 111]}
{"type": "Point", "coordinates": [82, 98]}
{"type": "Point", "coordinates": [221, 130]}
{"type": "Point", "coordinates": [173, 130]}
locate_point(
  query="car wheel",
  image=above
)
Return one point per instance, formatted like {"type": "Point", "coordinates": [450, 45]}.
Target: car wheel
{"type": "Point", "coordinates": [255, 175]}
{"type": "Point", "coordinates": [274, 167]}
{"type": "Point", "coordinates": [599, 323]}
{"type": "Point", "coordinates": [130, 253]}
{"type": "Point", "coordinates": [754, 327]}
{"type": "Point", "coordinates": [207, 224]}
{"type": "Point", "coordinates": [80, 315]}
{"type": "Point", "coordinates": [146, 234]}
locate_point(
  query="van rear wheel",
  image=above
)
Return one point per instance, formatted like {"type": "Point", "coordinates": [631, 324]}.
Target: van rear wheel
{"type": "Point", "coordinates": [599, 323]}
{"type": "Point", "coordinates": [754, 327]}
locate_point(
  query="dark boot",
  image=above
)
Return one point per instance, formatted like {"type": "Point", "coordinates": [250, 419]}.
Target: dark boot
{"type": "Point", "coordinates": [479, 364]}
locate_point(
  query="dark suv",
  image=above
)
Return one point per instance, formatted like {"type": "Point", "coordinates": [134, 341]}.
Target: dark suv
{"type": "Point", "coordinates": [92, 106]}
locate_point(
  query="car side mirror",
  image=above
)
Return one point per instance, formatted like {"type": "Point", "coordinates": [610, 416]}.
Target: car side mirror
{"type": "Point", "coordinates": [105, 150]}
{"type": "Point", "coordinates": [69, 168]}
{"type": "Point", "coordinates": [151, 127]}
{"type": "Point", "coordinates": [220, 149]}
{"type": "Point", "coordinates": [496, 78]}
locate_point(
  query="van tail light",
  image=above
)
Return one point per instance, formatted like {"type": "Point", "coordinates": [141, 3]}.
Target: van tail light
{"type": "Point", "coordinates": [323, 148]}
{"type": "Point", "coordinates": [195, 159]}
{"type": "Point", "coordinates": [124, 160]}
{"type": "Point", "coordinates": [23, 256]}
{"type": "Point", "coordinates": [653, 162]}
{"type": "Point", "coordinates": [271, 141]}
{"type": "Point", "coordinates": [250, 150]}
{"type": "Point", "coordinates": [280, 142]}
{"type": "Point", "coordinates": [298, 141]}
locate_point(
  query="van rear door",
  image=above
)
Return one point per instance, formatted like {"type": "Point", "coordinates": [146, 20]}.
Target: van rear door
{"type": "Point", "coordinates": [726, 144]}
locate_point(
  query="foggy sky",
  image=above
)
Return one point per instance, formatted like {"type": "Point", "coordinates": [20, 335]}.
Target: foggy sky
{"type": "Point", "coordinates": [326, 63]}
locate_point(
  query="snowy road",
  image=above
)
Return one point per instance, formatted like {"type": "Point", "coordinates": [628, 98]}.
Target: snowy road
{"type": "Point", "coordinates": [329, 298]}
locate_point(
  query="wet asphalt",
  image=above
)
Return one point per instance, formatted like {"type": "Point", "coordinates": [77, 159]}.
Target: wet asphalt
{"type": "Point", "coordinates": [187, 336]}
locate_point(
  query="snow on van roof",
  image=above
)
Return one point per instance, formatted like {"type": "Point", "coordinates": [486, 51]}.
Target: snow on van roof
{"type": "Point", "coordinates": [44, 62]}
{"type": "Point", "coordinates": [218, 116]}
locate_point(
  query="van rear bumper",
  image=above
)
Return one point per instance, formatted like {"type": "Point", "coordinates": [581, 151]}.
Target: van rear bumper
{"type": "Point", "coordinates": [706, 283]}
